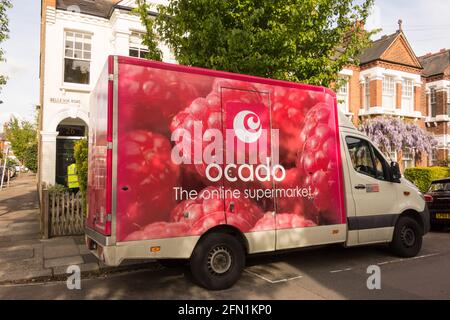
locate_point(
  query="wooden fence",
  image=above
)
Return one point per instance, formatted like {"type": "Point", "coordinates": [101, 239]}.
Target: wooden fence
{"type": "Point", "coordinates": [62, 213]}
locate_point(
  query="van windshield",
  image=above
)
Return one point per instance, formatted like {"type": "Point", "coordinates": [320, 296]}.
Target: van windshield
{"type": "Point", "coordinates": [440, 186]}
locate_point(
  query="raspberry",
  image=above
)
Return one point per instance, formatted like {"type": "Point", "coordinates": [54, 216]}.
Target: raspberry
{"type": "Point", "coordinates": [317, 162]}
{"type": "Point", "coordinates": [159, 230]}
{"type": "Point", "coordinates": [125, 227]}
{"type": "Point", "coordinates": [149, 98]}
{"type": "Point", "coordinates": [292, 204]}
{"type": "Point", "coordinates": [208, 210]}
{"type": "Point", "coordinates": [289, 107]}
{"type": "Point", "coordinates": [145, 167]}
{"type": "Point", "coordinates": [208, 112]}
{"type": "Point", "coordinates": [283, 221]}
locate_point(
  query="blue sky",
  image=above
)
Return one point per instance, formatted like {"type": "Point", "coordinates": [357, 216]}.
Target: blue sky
{"type": "Point", "coordinates": [22, 60]}
{"type": "Point", "coordinates": [426, 24]}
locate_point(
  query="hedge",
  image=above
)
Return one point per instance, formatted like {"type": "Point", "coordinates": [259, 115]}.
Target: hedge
{"type": "Point", "coordinates": [81, 161]}
{"type": "Point", "coordinates": [422, 176]}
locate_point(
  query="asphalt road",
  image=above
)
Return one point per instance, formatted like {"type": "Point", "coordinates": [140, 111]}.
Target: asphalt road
{"type": "Point", "coordinates": [329, 272]}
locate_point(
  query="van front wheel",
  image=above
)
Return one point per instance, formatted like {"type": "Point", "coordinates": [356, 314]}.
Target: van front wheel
{"type": "Point", "coordinates": [217, 261]}
{"type": "Point", "coordinates": [407, 240]}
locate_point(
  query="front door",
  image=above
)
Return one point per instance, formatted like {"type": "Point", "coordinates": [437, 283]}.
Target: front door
{"type": "Point", "coordinates": [64, 158]}
{"type": "Point", "coordinates": [375, 197]}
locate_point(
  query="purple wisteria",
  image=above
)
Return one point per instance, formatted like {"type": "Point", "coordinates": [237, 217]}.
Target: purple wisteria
{"type": "Point", "coordinates": [393, 134]}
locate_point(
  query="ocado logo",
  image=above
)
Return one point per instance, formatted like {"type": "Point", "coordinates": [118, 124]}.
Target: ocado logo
{"type": "Point", "coordinates": [247, 126]}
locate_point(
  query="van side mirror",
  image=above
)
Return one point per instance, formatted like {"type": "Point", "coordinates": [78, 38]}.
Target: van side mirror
{"type": "Point", "coordinates": [395, 172]}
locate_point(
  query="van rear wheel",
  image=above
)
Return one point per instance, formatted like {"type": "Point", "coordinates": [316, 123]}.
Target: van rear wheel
{"type": "Point", "coordinates": [407, 240]}
{"type": "Point", "coordinates": [217, 261]}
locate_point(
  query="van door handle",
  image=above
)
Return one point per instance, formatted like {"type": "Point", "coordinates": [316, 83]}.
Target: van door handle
{"type": "Point", "coordinates": [231, 207]}
{"type": "Point", "coordinates": [360, 186]}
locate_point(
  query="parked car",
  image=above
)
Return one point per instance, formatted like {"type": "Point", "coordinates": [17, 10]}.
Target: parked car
{"type": "Point", "coordinates": [438, 200]}
{"type": "Point", "coordinates": [9, 172]}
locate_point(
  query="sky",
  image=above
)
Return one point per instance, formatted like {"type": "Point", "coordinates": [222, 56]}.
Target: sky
{"type": "Point", "coordinates": [426, 24]}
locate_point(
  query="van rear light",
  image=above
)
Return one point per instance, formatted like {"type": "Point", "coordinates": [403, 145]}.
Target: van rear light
{"type": "Point", "coordinates": [428, 198]}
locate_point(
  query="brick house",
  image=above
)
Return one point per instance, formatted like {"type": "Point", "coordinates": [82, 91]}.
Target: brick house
{"type": "Point", "coordinates": [391, 80]}
{"type": "Point", "coordinates": [436, 75]}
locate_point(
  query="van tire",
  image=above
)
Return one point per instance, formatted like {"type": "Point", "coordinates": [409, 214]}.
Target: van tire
{"type": "Point", "coordinates": [217, 261]}
{"type": "Point", "coordinates": [407, 240]}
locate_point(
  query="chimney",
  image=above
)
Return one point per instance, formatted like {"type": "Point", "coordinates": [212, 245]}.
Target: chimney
{"type": "Point", "coordinates": [400, 25]}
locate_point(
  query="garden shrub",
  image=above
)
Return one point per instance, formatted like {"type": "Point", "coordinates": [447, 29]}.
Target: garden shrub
{"type": "Point", "coordinates": [423, 176]}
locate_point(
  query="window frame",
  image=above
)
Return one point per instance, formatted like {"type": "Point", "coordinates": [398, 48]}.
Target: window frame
{"type": "Point", "coordinates": [84, 34]}
{"type": "Point", "coordinates": [139, 47]}
{"type": "Point", "coordinates": [373, 154]}
{"type": "Point", "coordinates": [367, 93]}
{"type": "Point", "coordinates": [411, 158]}
{"type": "Point", "coordinates": [448, 101]}
{"type": "Point", "coordinates": [388, 92]}
{"type": "Point", "coordinates": [344, 95]}
{"type": "Point", "coordinates": [408, 94]}
{"type": "Point", "coordinates": [433, 102]}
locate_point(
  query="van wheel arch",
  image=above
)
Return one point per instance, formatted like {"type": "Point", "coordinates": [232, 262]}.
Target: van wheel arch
{"type": "Point", "coordinates": [228, 229]}
{"type": "Point", "coordinates": [413, 214]}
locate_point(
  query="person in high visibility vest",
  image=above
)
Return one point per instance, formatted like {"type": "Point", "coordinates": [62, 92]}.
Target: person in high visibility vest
{"type": "Point", "coordinates": [72, 177]}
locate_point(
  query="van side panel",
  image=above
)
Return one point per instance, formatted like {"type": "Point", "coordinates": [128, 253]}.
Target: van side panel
{"type": "Point", "coordinates": [192, 155]}
{"type": "Point", "coordinates": [99, 183]}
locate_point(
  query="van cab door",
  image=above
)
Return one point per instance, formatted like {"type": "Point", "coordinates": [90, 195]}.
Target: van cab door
{"type": "Point", "coordinates": [374, 195]}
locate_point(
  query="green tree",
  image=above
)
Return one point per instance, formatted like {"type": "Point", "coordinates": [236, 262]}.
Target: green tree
{"type": "Point", "coordinates": [306, 41]}
{"type": "Point", "coordinates": [23, 138]}
{"type": "Point", "coordinates": [150, 39]}
{"type": "Point", "coordinates": [4, 32]}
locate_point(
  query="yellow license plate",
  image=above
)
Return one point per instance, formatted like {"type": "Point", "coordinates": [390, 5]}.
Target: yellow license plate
{"type": "Point", "coordinates": [442, 215]}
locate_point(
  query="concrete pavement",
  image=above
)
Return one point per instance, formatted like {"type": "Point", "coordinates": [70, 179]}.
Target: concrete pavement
{"type": "Point", "coordinates": [24, 256]}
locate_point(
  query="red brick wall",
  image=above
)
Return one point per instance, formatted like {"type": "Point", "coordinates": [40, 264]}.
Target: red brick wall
{"type": "Point", "coordinates": [398, 52]}
{"type": "Point", "coordinates": [376, 87]}
{"type": "Point", "coordinates": [354, 93]}
{"type": "Point", "coordinates": [398, 95]}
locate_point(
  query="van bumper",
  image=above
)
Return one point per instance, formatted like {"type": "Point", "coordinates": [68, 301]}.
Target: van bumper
{"type": "Point", "coordinates": [425, 215]}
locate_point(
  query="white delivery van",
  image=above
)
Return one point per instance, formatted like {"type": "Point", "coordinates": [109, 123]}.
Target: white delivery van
{"type": "Point", "coordinates": [209, 166]}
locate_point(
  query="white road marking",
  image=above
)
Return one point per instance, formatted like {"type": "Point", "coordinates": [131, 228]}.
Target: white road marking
{"type": "Point", "coordinates": [272, 281]}
{"type": "Point", "coordinates": [340, 270]}
{"type": "Point", "coordinates": [391, 261]}
{"type": "Point", "coordinates": [413, 258]}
